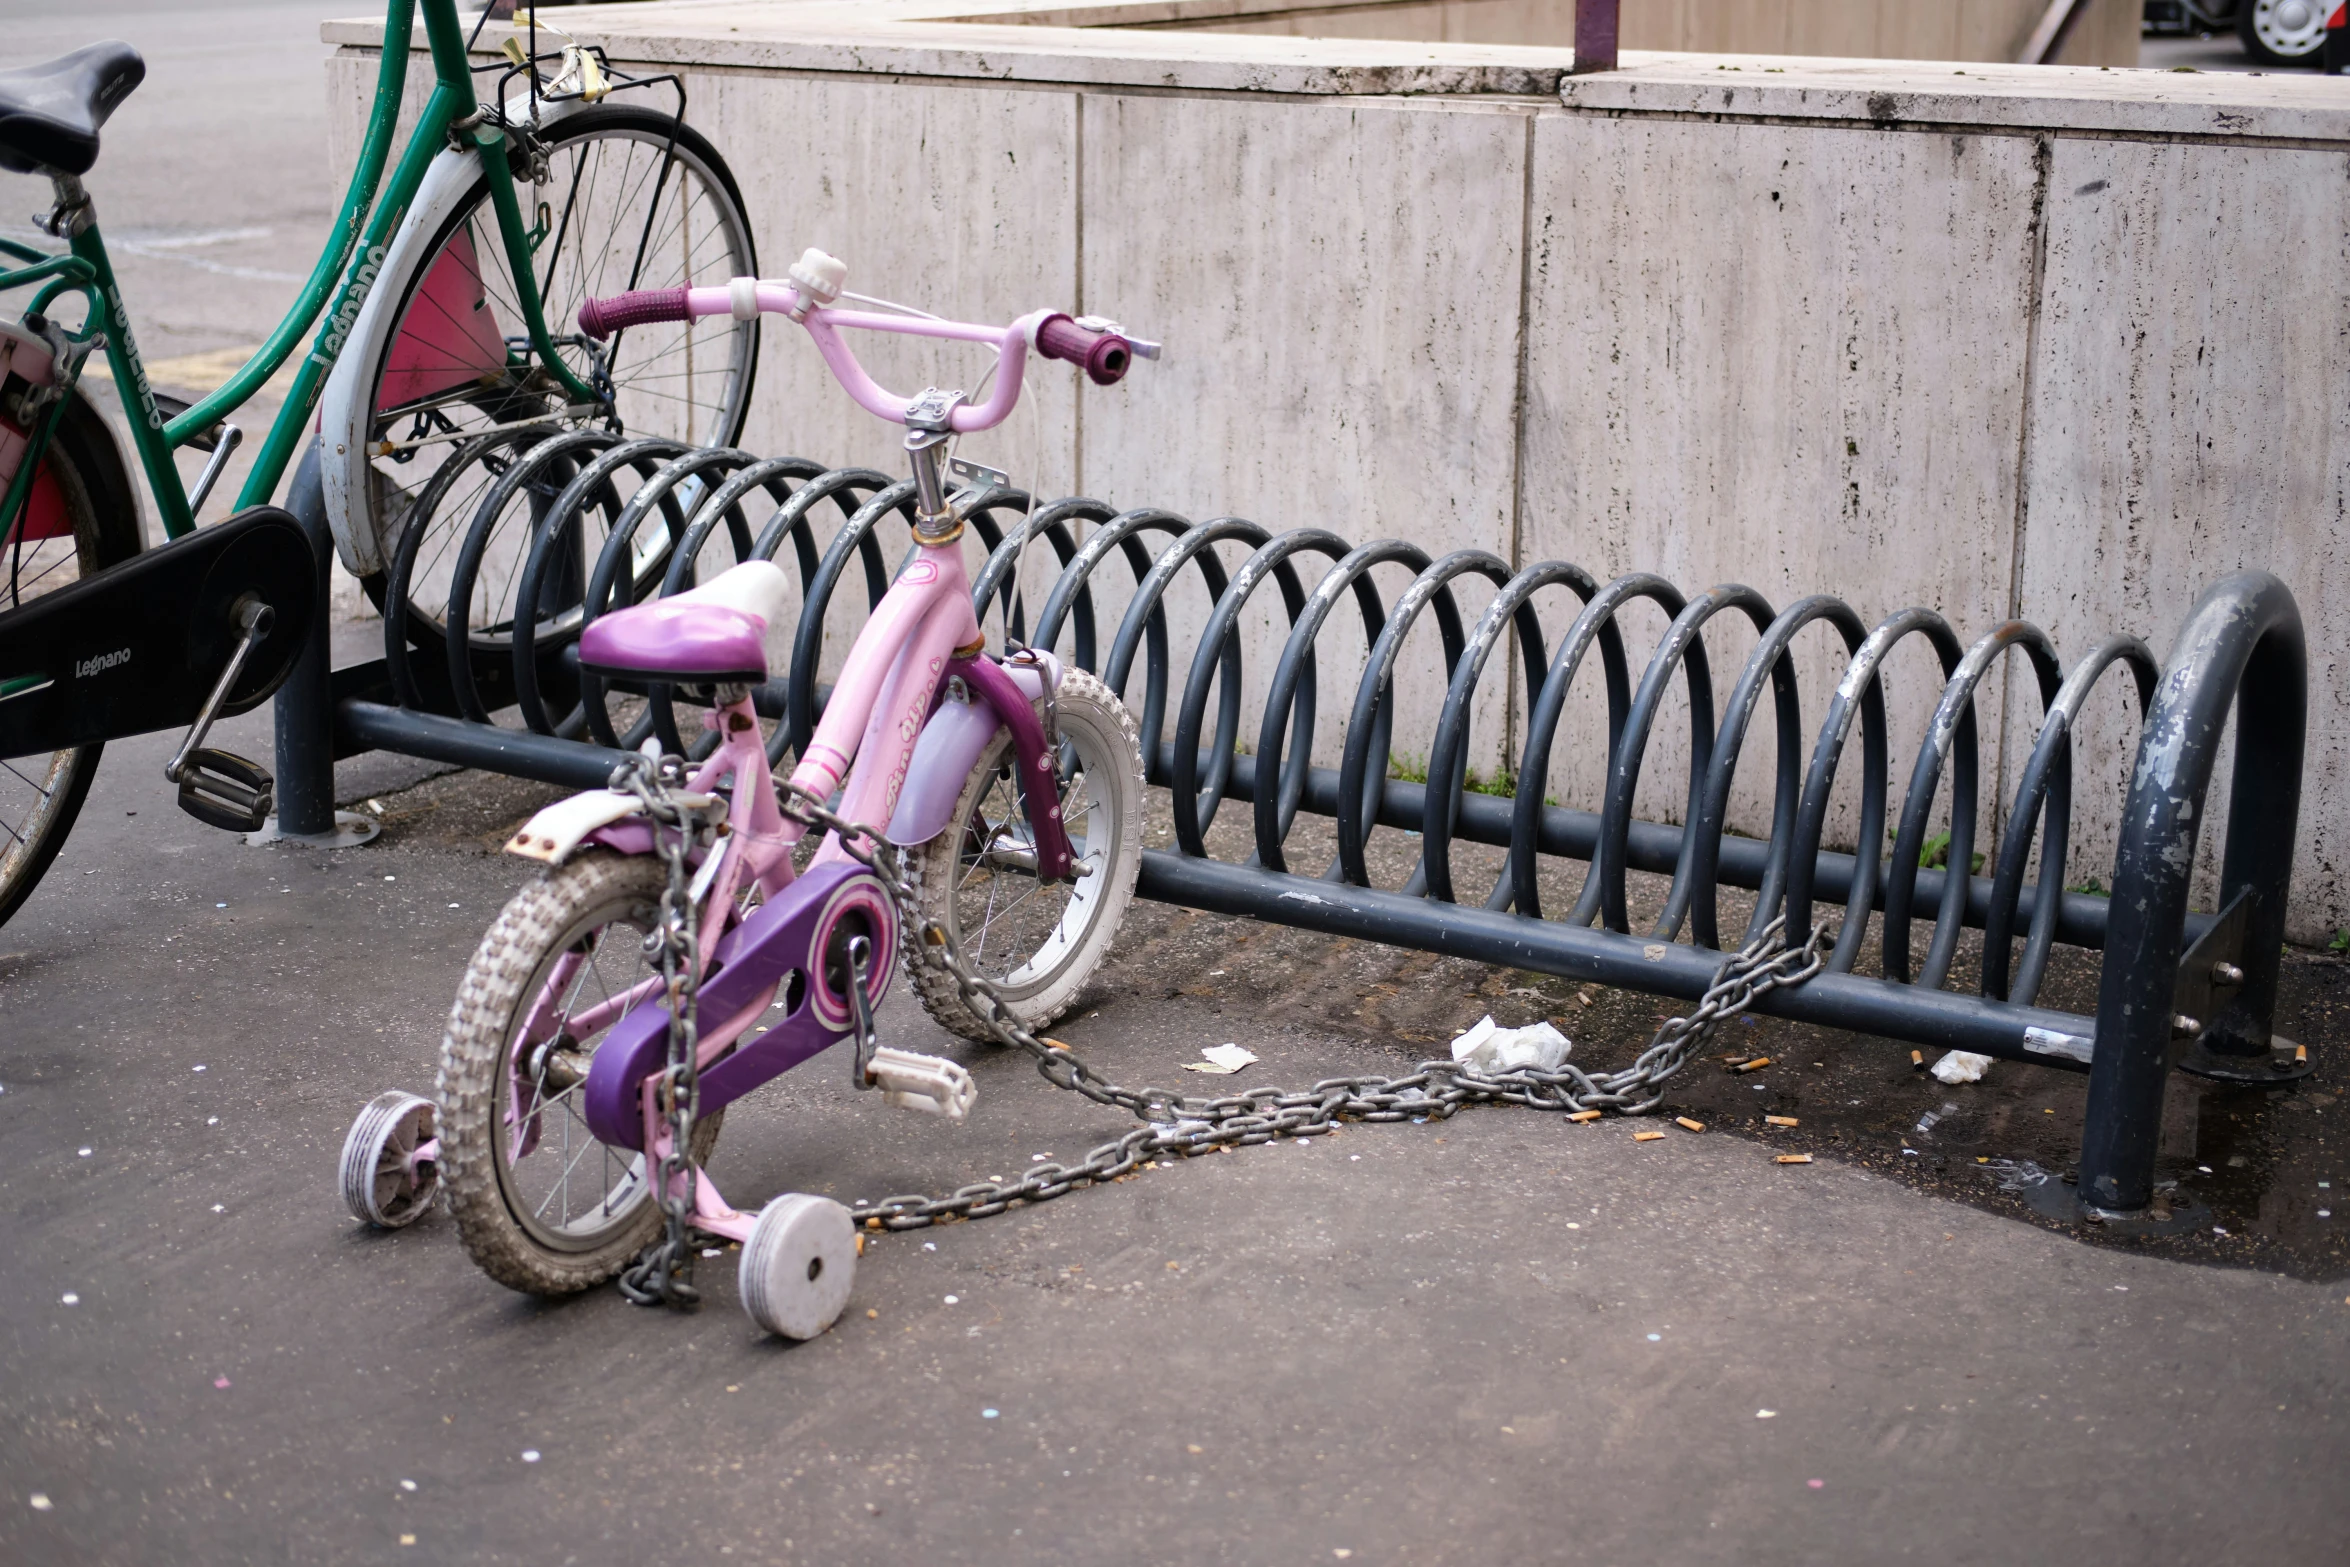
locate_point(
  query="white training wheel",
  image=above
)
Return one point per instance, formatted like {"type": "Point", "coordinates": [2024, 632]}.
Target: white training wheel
{"type": "Point", "coordinates": [798, 1265]}
{"type": "Point", "coordinates": [384, 1183]}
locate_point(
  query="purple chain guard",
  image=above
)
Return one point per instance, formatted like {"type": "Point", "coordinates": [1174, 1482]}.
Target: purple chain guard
{"type": "Point", "coordinates": [787, 933]}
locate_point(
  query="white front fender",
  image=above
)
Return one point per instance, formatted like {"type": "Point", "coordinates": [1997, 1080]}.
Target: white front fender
{"type": "Point", "coordinates": [343, 414]}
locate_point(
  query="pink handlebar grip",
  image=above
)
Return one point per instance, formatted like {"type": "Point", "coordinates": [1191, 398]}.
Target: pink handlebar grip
{"type": "Point", "coordinates": [1105, 356]}
{"type": "Point", "coordinates": [600, 318]}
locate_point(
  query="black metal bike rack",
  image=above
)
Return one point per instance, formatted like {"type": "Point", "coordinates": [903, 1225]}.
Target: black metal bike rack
{"type": "Point", "coordinates": [2178, 989]}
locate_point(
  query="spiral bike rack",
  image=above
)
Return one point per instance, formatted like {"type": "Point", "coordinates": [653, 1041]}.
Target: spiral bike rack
{"type": "Point", "coordinates": [2195, 991]}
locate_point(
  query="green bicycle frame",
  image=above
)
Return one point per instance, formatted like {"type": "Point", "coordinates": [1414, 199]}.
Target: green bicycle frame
{"type": "Point", "coordinates": [362, 235]}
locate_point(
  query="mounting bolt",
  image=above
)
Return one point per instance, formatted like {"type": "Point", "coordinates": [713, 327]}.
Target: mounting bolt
{"type": "Point", "coordinates": [2185, 1027]}
{"type": "Point", "coordinates": [2226, 974]}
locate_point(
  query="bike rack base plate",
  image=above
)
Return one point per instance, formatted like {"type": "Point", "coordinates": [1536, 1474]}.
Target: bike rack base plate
{"type": "Point", "coordinates": [351, 829]}
{"type": "Point", "coordinates": [2173, 1213]}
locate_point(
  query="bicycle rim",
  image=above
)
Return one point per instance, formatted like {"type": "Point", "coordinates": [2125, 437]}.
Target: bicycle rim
{"type": "Point", "coordinates": [631, 200]}
{"type": "Point", "coordinates": [84, 510]}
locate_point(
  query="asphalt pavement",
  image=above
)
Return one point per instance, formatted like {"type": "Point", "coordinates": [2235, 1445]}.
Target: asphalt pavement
{"type": "Point", "coordinates": [1498, 1338]}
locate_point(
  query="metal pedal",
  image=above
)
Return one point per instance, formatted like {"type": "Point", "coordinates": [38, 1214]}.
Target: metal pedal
{"type": "Point", "coordinates": [222, 789]}
{"type": "Point", "coordinates": [930, 1084]}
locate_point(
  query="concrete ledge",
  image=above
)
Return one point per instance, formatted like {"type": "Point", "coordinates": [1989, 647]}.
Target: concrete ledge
{"type": "Point", "coordinates": [1887, 94]}
{"type": "Point", "coordinates": [901, 38]}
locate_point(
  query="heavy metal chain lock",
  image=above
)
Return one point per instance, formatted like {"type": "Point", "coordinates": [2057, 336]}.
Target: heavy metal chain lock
{"type": "Point", "coordinates": [1176, 1124]}
{"type": "Point", "coordinates": [1172, 1124]}
{"type": "Point", "coordinates": [664, 1273]}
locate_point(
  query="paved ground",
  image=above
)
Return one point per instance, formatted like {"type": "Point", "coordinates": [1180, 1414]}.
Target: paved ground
{"type": "Point", "coordinates": [1499, 1338]}
{"type": "Point", "coordinates": [1495, 1339]}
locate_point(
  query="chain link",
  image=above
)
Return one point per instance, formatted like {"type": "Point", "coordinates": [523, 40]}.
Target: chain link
{"type": "Point", "coordinates": [663, 1274]}
{"type": "Point", "coordinates": [1177, 1124]}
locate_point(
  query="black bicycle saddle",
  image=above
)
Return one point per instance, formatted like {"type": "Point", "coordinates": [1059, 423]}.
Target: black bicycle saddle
{"type": "Point", "coordinates": [50, 114]}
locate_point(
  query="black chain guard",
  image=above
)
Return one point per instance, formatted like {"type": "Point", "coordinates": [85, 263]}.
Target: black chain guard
{"type": "Point", "coordinates": [137, 647]}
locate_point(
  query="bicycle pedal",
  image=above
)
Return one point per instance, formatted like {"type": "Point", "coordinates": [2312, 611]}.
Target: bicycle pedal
{"type": "Point", "coordinates": [930, 1084]}
{"type": "Point", "coordinates": [222, 789]}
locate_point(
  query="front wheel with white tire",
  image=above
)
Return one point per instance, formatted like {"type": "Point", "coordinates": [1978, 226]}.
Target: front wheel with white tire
{"type": "Point", "coordinates": [798, 1265]}
{"type": "Point", "coordinates": [1037, 942]}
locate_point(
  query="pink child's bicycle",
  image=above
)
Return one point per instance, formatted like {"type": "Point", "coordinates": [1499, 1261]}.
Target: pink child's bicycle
{"type": "Point", "coordinates": [670, 959]}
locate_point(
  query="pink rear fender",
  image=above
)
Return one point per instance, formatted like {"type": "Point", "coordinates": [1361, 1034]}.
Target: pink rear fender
{"type": "Point", "coordinates": [948, 749]}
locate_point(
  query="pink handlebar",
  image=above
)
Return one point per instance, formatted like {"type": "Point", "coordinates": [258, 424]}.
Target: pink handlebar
{"type": "Point", "coordinates": [1104, 356]}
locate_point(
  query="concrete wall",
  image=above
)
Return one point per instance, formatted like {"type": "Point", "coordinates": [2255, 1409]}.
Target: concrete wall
{"type": "Point", "coordinates": [2105, 34]}
{"type": "Point", "coordinates": [1995, 340]}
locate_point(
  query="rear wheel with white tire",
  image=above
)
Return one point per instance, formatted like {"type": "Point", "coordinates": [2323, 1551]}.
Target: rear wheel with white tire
{"type": "Point", "coordinates": [541, 1205]}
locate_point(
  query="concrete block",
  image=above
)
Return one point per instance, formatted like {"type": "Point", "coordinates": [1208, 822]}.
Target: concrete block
{"type": "Point", "coordinates": [1338, 287]}
{"type": "Point", "coordinates": [1791, 358]}
{"type": "Point", "coordinates": [2188, 422]}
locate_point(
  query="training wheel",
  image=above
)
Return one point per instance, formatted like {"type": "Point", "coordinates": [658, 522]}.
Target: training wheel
{"type": "Point", "coordinates": [798, 1265]}
{"type": "Point", "coordinates": [384, 1184]}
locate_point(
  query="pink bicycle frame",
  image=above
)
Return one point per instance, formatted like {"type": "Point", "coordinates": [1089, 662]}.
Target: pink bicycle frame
{"type": "Point", "coordinates": [923, 631]}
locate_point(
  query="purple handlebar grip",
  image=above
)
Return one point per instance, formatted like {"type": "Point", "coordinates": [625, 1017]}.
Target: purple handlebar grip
{"type": "Point", "coordinates": [600, 318]}
{"type": "Point", "coordinates": [1105, 355]}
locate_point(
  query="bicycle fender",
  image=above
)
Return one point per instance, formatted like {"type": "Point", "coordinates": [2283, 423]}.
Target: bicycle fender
{"type": "Point", "coordinates": [555, 832]}
{"type": "Point", "coordinates": [599, 816]}
{"type": "Point", "coordinates": [948, 748]}
{"type": "Point", "coordinates": [343, 418]}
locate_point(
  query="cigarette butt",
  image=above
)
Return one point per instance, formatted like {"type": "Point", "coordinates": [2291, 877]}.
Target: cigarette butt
{"type": "Point", "coordinates": [1793, 1158]}
{"type": "Point", "coordinates": [860, 1245]}
{"type": "Point", "coordinates": [1778, 1120]}
{"type": "Point", "coordinates": [1694, 1126]}
{"type": "Point", "coordinates": [1646, 1137]}
{"type": "Point", "coordinates": [1054, 1044]}
{"type": "Point", "coordinates": [1586, 1115]}
{"type": "Point", "coordinates": [2300, 1054]}
{"type": "Point", "coordinates": [1756, 1065]}
{"type": "Point", "coordinates": [1917, 1058]}
{"type": "Point", "coordinates": [873, 1224]}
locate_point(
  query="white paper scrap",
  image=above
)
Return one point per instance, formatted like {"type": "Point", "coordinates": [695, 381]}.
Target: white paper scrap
{"type": "Point", "coordinates": [1222, 1060]}
{"type": "Point", "coordinates": [1490, 1048]}
{"type": "Point", "coordinates": [1961, 1066]}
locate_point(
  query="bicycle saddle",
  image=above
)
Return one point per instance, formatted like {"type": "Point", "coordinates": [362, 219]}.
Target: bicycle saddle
{"type": "Point", "coordinates": [713, 633]}
{"type": "Point", "coordinates": [50, 114]}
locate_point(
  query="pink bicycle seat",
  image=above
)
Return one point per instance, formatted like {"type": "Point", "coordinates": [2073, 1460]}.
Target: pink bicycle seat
{"type": "Point", "coordinates": [707, 635]}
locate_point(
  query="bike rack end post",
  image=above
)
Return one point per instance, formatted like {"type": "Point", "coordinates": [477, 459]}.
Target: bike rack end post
{"type": "Point", "coordinates": [2242, 648]}
{"type": "Point", "coordinates": [303, 708]}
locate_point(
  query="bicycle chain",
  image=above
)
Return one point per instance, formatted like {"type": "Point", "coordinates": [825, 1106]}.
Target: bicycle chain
{"type": "Point", "coordinates": [1177, 1124]}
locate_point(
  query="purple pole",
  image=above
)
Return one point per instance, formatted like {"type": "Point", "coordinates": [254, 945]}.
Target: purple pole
{"type": "Point", "coordinates": [1595, 36]}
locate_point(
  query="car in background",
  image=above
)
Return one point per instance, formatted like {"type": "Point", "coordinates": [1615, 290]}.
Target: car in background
{"type": "Point", "coordinates": [2274, 32]}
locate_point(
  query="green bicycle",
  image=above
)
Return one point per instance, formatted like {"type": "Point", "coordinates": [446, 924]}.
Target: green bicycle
{"type": "Point", "coordinates": [442, 350]}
